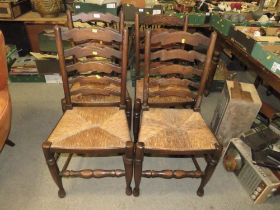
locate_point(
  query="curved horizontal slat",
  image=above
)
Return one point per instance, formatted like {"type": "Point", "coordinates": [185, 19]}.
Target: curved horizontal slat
{"type": "Point", "coordinates": [95, 16]}
{"type": "Point", "coordinates": [95, 80]}
{"type": "Point", "coordinates": [83, 34]}
{"type": "Point", "coordinates": [165, 55]}
{"type": "Point", "coordinates": [168, 38]}
{"type": "Point", "coordinates": [80, 51]}
{"type": "Point", "coordinates": [87, 90]}
{"type": "Point", "coordinates": [94, 66]}
{"type": "Point", "coordinates": [175, 69]}
{"type": "Point", "coordinates": [162, 20]}
{"type": "Point", "coordinates": [178, 93]}
{"type": "Point", "coordinates": [165, 82]}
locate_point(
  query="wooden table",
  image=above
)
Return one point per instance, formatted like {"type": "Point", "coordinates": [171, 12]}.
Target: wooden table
{"type": "Point", "coordinates": [262, 72]}
{"type": "Point", "coordinates": [34, 24]}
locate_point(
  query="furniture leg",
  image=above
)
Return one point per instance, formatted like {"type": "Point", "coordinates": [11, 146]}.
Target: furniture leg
{"type": "Point", "coordinates": [212, 162]}
{"type": "Point", "coordinates": [258, 81]}
{"type": "Point", "coordinates": [10, 143]}
{"type": "Point", "coordinates": [136, 119]}
{"type": "Point", "coordinates": [128, 110]}
{"type": "Point", "coordinates": [53, 167]}
{"type": "Point", "coordinates": [128, 165]}
{"type": "Point", "coordinates": [138, 162]}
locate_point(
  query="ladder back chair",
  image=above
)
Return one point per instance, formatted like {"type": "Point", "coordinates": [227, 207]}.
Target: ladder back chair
{"type": "Point", "coordinates": [174, 74]}
{"type": "Point", "coordinates": [92, 19]}
{"type": "Point", "coordinates": [91, 131]}
{"type": "Point", "coordinates": [96, 70]}
{"type": "Point", "coordinates": [174, 132]}
{"type": "Point", "coordinates": [159, 23]}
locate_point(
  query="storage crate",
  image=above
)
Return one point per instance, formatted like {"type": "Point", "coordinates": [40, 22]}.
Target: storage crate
{"type": "Point", "coordinates": [268, 55]}
{"type": "Point", "coordinates": [13, 9]}
{"type": "Point", "coordinates": [89, 7]}
{"type": "Point", "coordinates": [244, 36]}
{"type": "Point", "coordinates": [27, 78]}
{"type": "Point", "coordinates": [47, 43]}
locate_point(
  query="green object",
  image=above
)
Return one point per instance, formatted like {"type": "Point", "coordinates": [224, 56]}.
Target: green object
{"type": "Point", "coordinates": [88, 7]}
{"type": "Point", "coordinates": [47, 43]}
{"type": "Point", "coordinates": [27, 78]}
{"type": "Point", "coordinates": [12, 55]}
{"type": "Point", "coordinates": [263, 52]}
{"type": "Point", "coordinates": [220, 24]}
{"type": "Point", "coordinates": [196, 19]}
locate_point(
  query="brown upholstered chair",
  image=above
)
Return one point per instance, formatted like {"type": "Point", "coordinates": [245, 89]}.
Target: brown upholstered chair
{"type": "Point", "coordinates": [91, 131]}
{"type": "Point", "coordinates": [174, 132]}
{"type": "Point", "coordinates": [5, 100]}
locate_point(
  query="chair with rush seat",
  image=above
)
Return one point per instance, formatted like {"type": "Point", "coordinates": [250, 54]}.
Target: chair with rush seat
{"type": "Point", "coordinates": [174, 132]}
{"type": "Point", "coordinates": [5, 100]}
{"type": "Point", "coordinates": [95, 130]}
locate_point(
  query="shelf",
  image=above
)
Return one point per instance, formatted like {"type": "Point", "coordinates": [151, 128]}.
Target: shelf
{"type": "Point", "coordinates": [34, 17]}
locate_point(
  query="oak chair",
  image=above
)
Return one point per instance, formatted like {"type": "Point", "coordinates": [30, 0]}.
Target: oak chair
{"type": "Point", "coordinates": [159, 23]}
{"type": "Point", "coordinates": [91, 131]}
{"type": "Point", "coordinates": [174, 132]}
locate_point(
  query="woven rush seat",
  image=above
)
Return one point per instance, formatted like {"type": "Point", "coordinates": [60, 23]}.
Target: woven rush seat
{"type": "Point", "coordinates": [175, 129]}
{"type": "Point", "coordinates": [160, 100]}
{"type": "Point", "coordinates": [91, 128]}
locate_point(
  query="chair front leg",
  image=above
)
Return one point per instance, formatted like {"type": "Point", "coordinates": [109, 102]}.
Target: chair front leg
{"type": "Point", "coordinates": [128, 165]}
{"type": "Point", "coordinates": [53, 167]}
{"type": "Point", "coordinates": [212, 162]}
{"type": "Point", "coordinates": [138, 162]}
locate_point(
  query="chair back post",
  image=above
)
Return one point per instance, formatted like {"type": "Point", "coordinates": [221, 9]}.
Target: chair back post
{"type": "Point", "coordinates": [3, 63]}
{"type": "Point", "coordinates": [137, 46]}
{"type": "Point", "coordinates": [147, 57]}
{"type": "Point", "coordinates": [121, 22]}
{"type": "Point", "coordinates": [186, 23]}
{"type": "Point", "coordinates": [70, 24]}
{"type": "Point", "coordinates": [206, 69]}
{"type": "Point", "coordinates": [61, 58]}
{"type": "Point", "coordinates": [124, 67]}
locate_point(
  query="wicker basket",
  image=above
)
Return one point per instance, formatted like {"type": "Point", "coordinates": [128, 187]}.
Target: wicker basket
{"type": "Point", "coordinates": [48, 8]}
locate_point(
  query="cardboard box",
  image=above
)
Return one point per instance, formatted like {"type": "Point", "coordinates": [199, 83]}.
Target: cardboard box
{"type": "Point", "coordinates": [89, 7]}
{"type": "Point", "coordinates": [130, 10]}
{"type": "Point", "coordinates": [246, 39]}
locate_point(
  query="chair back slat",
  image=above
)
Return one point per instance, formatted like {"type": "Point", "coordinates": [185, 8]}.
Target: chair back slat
{"type": "Point", "coordinates": [175, 69]}
{"type": "Point", "coordinates": [181, 84]}
{"type": "Point", "coordinates": [165, 82]}
{"type": "Point", "coordinates": [104, 67]}
{"type": "Point", "coordinates": [86, 90]}
{"type": "Point", "coordinates": [78, 77]}
{"type": "Point", "coordinates": [85, 34]}
{"type": "Point", "coordinates": [88, 80]}
{"type": "Point", "coordinates": [86, 51]}
{"type": "Point", "coordinates": [182, 93]}
{"type": "Point", "coordinates": [183, 37]}
{"type": "Point", "coordinates": [166, 55]}
{"type": "Point", "coordinates": [159, 23]}
{"type": "Point", "coordinates": [110, 20]}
